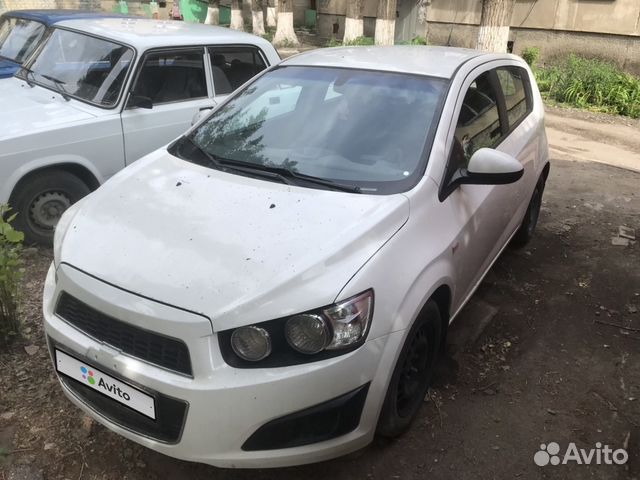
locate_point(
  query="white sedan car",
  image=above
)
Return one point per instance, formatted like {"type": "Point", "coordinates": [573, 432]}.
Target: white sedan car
{"type": "Point", "coordinates": [101, 93]}
{"type": "Point", "coordinates": [273, 288]}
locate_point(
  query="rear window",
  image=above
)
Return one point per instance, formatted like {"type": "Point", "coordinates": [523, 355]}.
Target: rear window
{"type": "Point", "coordinates": [233, 66]}
{"type": "Point", "coordinates": [515, 87]}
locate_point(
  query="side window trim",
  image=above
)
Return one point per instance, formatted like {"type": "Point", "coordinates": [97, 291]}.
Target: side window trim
{"type": "Point", "coordinates": [528, 93]}
{"type": "Point", "coordinates": [503, 114]}
{"type": "Point", "coordinates": [489, 67]}
{"type": "Point", "coordinates": [154, 51]}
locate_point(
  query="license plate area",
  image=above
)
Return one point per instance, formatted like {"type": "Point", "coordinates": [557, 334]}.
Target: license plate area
{"type": "Point", "coordinates": [105, 384]}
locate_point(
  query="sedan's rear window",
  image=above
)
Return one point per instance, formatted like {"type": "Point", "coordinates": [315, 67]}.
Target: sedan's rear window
{"type": "Point", "coordinates": [356, 127]}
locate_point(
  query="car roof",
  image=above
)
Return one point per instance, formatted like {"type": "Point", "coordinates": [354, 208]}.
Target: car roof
{"type": "Point", "coordinates": [440, 62]}
{"type": "Point", "coordinates": [49, 17]}
{"type": "Point", "coordinates": [143, 33]}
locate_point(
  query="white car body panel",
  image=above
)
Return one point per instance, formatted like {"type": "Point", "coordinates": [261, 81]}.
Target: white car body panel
{"type": "Point", "coordinates": [259, 260]}
{"type": "Point", "coordinates": [228, 251]}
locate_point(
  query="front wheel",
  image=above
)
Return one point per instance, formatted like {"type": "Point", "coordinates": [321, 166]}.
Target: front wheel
{"type": "Point", "coordinates": [41, 200]}
{"type": "Point", "coordinates": [412, 373]}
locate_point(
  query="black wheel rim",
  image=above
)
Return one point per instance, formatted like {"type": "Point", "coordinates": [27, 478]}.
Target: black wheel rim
{"type": "Point", "coordinates": [414, 374]}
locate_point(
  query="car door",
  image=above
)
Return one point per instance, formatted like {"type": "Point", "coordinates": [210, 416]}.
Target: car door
{"type": "Point", "coordinates": [175, 85]}
{"type": "Point", "coordinates": [480, 213]}
{"type": "Point", "coordinates": [520, 140]}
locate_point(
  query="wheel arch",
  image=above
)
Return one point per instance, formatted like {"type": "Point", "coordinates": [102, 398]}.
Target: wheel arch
{"type": "Point", "coordinates": [86, 174]}
{"type": "Point", "coordinates": [545, 170]}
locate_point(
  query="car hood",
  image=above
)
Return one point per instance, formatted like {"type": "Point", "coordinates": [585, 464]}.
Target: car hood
{"type": "Point", "coordinates": [238, 250]}
{"type": "Point", "coordinates": [7, 68]}
{"type": "Point", "coordinates": [26, 110]}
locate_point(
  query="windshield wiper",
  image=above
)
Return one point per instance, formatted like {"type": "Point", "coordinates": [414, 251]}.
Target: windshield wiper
{"type": "Point", "coordinates": [28, 71]}
{"type": "Point", "coordinates": [59, 86]}
{"type": "Point", "coordinates": [289, 174]}
{"type": "Point", "coordinates": [226, 165]}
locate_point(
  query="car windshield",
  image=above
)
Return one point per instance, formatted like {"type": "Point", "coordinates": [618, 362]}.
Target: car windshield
{"type": "Point", "coordinates": [364, 129]}
{"type": "Point", "coordinates": [19, 38]}
{"type": "Point", "coordinates": [81, 66]}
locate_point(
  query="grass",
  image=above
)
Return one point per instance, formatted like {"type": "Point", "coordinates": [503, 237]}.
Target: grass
{"type": "Point", "coordinates": [591, 84]}
{"type": "Point", "coordinates": [356, 42]}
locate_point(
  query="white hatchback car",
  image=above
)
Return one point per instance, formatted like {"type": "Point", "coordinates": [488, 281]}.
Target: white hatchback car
{"type": "Point", "coordinates": [273, 288]}
{"type": "Point", "coordinates": [101, 93]}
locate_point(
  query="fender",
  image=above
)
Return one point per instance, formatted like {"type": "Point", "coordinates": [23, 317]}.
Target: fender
{"type": "Point", "coordinates": [43, 162]}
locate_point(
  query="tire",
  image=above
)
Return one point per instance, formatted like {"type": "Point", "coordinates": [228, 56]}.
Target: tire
{"type": "Point", "coordinates": [412, 373]}
{"type": "Point", "coordinates": [528, 227]}
{"type": "Point", "coordinates": [40, 201]}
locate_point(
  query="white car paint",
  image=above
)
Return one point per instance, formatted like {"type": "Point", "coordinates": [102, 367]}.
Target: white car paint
{"type": "Point", "coordinates": [41, 129]}
{"type": "Point", "coordinates": [187, 252]}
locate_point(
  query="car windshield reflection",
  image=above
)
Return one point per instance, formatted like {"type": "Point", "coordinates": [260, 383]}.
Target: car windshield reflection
{"type": "Point", "coordinates": [354, 127]}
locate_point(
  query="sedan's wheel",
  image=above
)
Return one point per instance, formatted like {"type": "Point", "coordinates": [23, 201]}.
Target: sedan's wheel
{"type": "Point", "coordinates": [47, 209]}
{"type": "Point", "coordinates": [411, 376]}
{"type": "Point", "coordinates": [528, 226]}
{"type": "Point", "coordinates": [41, 200]}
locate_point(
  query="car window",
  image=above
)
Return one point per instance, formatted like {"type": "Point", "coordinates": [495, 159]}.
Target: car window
{"type": "Point", "coordinates": [172, 76]}
{"type": "Point", "coordinates": [82, 66]}
{"type": "Point", "coordinates": [19, 38]}
{"type": "Point", "coordinates": [518, 102]}
{"type": "Point", "coordinates": [478, 123]}
{"type": "Point", "coordinates": [233, 66]}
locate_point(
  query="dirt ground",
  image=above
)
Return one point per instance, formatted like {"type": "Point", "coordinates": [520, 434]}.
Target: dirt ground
{"type": "Point", "coordinates": [558, 359]}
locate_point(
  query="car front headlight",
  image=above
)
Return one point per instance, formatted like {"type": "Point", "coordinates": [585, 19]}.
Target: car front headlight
{"type": "Point", "coordinates": [302, 338]}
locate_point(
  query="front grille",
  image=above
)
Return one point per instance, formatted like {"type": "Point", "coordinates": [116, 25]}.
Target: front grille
{"type": "Point", "coordinates": [163, 351]}
{"type": "Point", "coordinates": [170, 412]}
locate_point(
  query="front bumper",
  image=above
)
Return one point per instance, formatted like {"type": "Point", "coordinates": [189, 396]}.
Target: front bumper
{"type": "Point", "coordinates": [224, 406]}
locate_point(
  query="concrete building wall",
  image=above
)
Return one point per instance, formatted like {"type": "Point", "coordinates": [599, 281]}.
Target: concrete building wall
{"type": "Point", "coordinates": [621, 17]}
{"type": "Point", "coordinates": [607, 29]}
{"type": "Point", "coordinates": [624, 50]}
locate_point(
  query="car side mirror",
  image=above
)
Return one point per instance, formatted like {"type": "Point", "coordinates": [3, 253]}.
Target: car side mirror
{"type": "Point", "coordinates": [492, 167]}
{"type": "Point", "coordinates": [203, 112]}
{"type": "Point", "coordinates": [486, 167]}
{"type": "Point", "coordinates": [139, 101]}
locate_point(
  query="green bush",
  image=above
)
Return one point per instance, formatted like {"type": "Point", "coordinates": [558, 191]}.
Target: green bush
{"type": "Point", "coordinates": [415, 41]}
{"type": "Point", "coordinates": [356, 42]}
{"type": "Point", "coordinates": [591, 83]}
{"type": "Point", "coordinates": [530, 55]}
{"type": "Point", "coordinates": [10, 274]}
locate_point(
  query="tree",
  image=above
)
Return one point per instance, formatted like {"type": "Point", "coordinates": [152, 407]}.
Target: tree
{"type": "Point", "coordinates": [494, 25]}
{"type": "Point", "coordinates": [237, 23]}
{"type": "Point", "coordinates": [422, 14]}
{"type": "Point", "coordinates": [213, 13]}
{"type": "Point", "coordinates": [353, 24]}
{"type": "Point", "coordinates": [272, 13]}
{"type": "Point", "coordinates": [386, 22]}
{"type": "Point", "coordinates": [285, 35]}
{"type": "Point", "coordinates": [257, 17]}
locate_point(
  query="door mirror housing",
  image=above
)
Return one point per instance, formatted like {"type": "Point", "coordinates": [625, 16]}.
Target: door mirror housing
{"type": "Point", "coordinates": [492, 167]}
{"type": "Point", "coordinates": [139, 101]}
{"type": "Point", "coordinates": [486, 167]}
{"type": "Point", "coordinates": [203, 112]}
